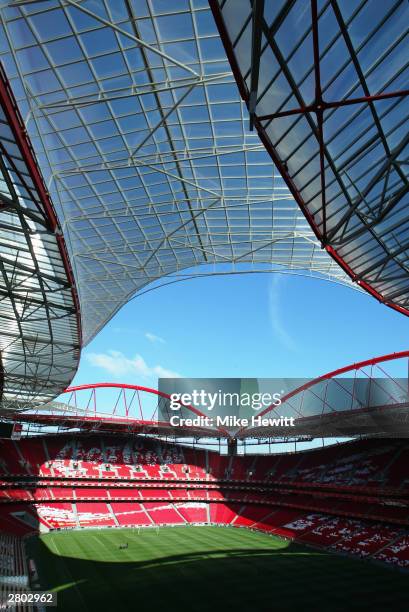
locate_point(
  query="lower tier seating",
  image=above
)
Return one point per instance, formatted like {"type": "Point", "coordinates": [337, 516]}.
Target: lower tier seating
{"type": "Point", "coordinates": [396, 552]}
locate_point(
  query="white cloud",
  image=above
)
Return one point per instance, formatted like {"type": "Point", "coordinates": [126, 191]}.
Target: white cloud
{"type": "Point", "coordinates": [154, 338]}
{"type": "Point", "coordinates": [277, 323]}
{"type": "Point", "coordinates": [117, 364]}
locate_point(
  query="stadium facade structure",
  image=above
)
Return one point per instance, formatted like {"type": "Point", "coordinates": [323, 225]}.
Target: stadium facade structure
{"type": "Point", "coordinates": [144, 143]}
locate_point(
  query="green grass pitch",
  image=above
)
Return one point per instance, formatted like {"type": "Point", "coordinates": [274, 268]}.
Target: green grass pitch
{"type": "Point", "coordinates": [206, 569]}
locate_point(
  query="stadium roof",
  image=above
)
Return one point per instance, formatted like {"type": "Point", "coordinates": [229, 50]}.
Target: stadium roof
{"type": "Point", "coordinates": [326, 84]}
{"type": "Point", "coordinates": [144, 142]}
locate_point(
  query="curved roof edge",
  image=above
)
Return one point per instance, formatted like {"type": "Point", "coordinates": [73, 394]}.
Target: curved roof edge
{"type": "Point", "coordinates": [41, 337]}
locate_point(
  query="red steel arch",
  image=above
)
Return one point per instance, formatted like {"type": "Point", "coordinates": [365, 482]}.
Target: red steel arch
{"type": "Point", "coordinates": [350, 368]}
{"type": "Point", "coordinates": [354, 367]}
{"type": "Point", "coordinates": [71, 415]}
{"type": "Point", "coordinates": [93, 416]}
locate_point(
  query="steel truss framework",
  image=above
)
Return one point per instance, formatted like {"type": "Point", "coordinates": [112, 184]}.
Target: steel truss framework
{"type": "Point", "coordinates": [326, 406]}
{"type": "Point", "coordinates": [40, 334]}
{"type": "Point", "coordinates": [326, 84]}
{"type": "Point", "coordinates": [144, 141]}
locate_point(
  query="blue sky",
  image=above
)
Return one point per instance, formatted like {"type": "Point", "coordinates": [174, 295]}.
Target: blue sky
{"type": "Point", "coordinates": [257, 325]}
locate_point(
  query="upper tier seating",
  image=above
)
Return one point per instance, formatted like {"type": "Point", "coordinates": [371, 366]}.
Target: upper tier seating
{"type": "Point", "coordinates": [93, 467]}
{"type": "Point", "coordinates": [370, 463]}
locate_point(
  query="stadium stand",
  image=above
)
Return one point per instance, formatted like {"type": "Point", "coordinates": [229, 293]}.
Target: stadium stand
{"type": "Point", "coordinates": [351, 498]}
